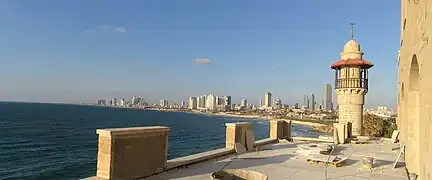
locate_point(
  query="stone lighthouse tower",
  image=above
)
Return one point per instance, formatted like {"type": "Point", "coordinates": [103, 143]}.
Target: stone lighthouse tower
{"type": "Point", "coordinates": [351, 84]}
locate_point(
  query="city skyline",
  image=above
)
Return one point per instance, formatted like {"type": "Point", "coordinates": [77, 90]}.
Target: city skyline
{"type": "Point", "coordinates": [75, 52]}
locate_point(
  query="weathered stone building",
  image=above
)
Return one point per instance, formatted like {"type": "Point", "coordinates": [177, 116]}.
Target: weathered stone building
{"type": "Point", "coordinates": [415, 86]}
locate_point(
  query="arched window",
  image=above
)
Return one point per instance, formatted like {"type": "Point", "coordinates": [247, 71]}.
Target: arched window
{"type": "Point", "coordinates": [414, 76]}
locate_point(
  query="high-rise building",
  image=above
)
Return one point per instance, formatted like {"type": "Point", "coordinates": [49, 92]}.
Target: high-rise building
{"type": "Point", "coordinates": [163, 103]}
{"type": "Point", "coordinates": [278, 104]}
{"type": "Point", "coordinates": [193, 104]}
{"type": "Point", "coordinates": [201, 102]}
{"type": "Point", "coordinates": [114, 102]}
{"type": "Point", "coordinates": [243, 103]}
{"type": "Point", "coordinates": [306, 101]}
{"type": "Point", "coordinates": [122, 102]}
{"type": "Point", "coordinates": [134, 100]}
{"type": "Point", "coordinates": [218, 100]}
{"type": "Point", "coordinates": [327, 97]}
{"type": "Point", "coordinates": [267, 99]}
{"type": "Point", "coordinates": [312, 101]}
{"type": "Point", "coordinates": [227, 100]}
{"type": "Point", "coordinates": [210, 102]}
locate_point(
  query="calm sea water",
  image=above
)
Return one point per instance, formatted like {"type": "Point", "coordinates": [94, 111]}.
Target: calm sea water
{"type": "Point", "coordinates": [50, 141]}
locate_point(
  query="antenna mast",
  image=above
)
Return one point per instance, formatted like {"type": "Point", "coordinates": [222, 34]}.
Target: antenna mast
{"type": "Point", "coordinates": [352, 30]}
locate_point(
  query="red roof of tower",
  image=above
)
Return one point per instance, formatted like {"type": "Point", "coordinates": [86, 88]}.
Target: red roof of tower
{"type": "Point", "coordinates": [352, 62]}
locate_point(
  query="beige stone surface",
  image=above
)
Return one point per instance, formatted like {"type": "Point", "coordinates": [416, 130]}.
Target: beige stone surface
{"type": "Point", "coordinates": [279, 161]}
{"type": "Point", "coordinates": [414, 86]}
{"type": "Point", "coordinates": [128, 153]}
{"type": "Point", "coordinates": [280, 129]}
{"type": "Point", "coordinates": [236, 133]}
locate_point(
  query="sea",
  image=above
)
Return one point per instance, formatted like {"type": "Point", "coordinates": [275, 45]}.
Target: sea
{"type": "Point", "coordinates": [59, 141]}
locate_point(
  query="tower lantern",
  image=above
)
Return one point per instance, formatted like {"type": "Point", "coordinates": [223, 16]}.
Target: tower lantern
{"type": "Point", "coordinates": [351, 84]}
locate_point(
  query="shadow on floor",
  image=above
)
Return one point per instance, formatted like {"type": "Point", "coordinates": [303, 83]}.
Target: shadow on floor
{"type": "Point", "coordinates": [349, 162]}
{"type": "Point", "coordinates": [338, 150]}
{"type": "Point", "coordinates": [282, 146]}
{"type": "Point", "coordinates": [210, 167]}
{"type": "Point", "coordinates": [380, 163]}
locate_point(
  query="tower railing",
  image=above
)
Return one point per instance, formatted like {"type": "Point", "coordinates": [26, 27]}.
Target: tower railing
{"type": "Point", "coordinates": [351, 83]}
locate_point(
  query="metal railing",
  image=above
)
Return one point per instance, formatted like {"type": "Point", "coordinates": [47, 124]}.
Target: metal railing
{"type": "Point", "coordinates": [351, 83]}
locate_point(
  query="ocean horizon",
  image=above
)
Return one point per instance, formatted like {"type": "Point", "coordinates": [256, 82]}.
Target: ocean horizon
{"type": "Point", "coordinates": [59, 141]}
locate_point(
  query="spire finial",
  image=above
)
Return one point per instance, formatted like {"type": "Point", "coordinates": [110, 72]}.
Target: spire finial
{"type": "Point", "coordinates": [352, 30]}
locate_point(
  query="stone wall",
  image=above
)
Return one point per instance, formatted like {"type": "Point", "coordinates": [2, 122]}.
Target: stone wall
{"type": "Point", "coordinates": [126, 153]}
{"type": "Point", "coordinates": [414, 86]}
{"type": "Point", "coordinates": [130, 153]}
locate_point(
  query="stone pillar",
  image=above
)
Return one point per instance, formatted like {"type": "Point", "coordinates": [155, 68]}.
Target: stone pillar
{"type": "Point", "coordinates": [129, 153]}
{"type": "Point", "coordinates": [280, 129]}
{"type": "Point", "coordinates": [287, 130]}
{"type": "Point", "coordinates": [236, 133]}
{"type": "Point", "coordinates": [340, 133]}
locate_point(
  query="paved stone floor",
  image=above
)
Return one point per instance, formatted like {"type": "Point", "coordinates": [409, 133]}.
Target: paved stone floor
{"type": "Point", "coordinates": [280, 162]}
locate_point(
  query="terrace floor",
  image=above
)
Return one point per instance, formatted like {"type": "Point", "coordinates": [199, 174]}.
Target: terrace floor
{"type": "Point", "coordinates": [281, 162]}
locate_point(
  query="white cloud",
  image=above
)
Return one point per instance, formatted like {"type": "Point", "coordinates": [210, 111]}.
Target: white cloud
{"type": "Point", "coordinates": [121, 30]}
{"type": "Point", "coordinates": [202, 61]}
{"type": "Point", "coordinates": [107, 28]}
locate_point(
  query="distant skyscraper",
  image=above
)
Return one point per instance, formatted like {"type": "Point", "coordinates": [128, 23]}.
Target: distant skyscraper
{"type": "Point", "coordinates": [306, 101]}
{"type": "Point", "coordinates": [114, 102]}
{"type": "Point", "coordinates": [226, 100]}
{"type": "Point", "coordinates": [218, 100]}
{"type": "Point", "coordinates": [193, 104]}
{"type": "Point", "coordinates": [134, 100]}
{"type": "Point", "coordinates": [210, 102]}
{"type": "Point", "coordinates": [243, 103]}
{"type": "Point", "coordinates": [312, 101]}
{"type": "Point", "coordinates": [122, 102]}
{"type": "Point", "coordinates": [163, 103]}
{"type": "Point", "coordinates": [201, 102]}
{"type": "Point", "coordinates": [267, 99]}
{"type": "Point", "coordinates": [278, 104]}
{"type": "Point", "coordinates": [327, 97]}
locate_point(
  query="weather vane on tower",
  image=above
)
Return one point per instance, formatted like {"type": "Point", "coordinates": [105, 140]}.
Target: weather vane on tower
{"type": "Point", "coordinates": [352, 30]}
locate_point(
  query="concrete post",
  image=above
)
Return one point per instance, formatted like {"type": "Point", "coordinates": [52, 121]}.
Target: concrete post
{"type": "Point", "coordinates": [129, 153]}
{"type": "Point", "coordinates": [236, 133]}
{"type": "Point", "coordinates": [340, 133]}
{"type": "Point", "coordinates": [280, 129]}
{"type": "Point", "coordinates": [287, 130]}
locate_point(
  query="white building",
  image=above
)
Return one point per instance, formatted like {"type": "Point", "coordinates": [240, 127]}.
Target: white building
{"type": "Point", "coordinates": [163, 103]}
{"type": "Point", "coordinates": [210, 102]}
{"type": "Point", "coordinates": [267, 99]}
{"type": "Point", "coordinates": [193, 104]}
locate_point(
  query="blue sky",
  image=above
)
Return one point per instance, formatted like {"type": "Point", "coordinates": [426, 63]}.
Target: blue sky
{"type": "Point", "coordinates": [72, 51]}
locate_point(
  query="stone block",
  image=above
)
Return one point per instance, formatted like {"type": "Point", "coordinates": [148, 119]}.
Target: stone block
{"type": "Point", "coordinates": [130, 153]}
{"type": "Point", "coordinates": [236, 133]}
{"type": "Point", "coordinates": [341, 132]}
{"type": "Point", "coordinates": [280, 129]}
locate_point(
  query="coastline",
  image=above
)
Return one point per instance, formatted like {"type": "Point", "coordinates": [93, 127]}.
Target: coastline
{"type": "Point", "coordinates": [224, 114]}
